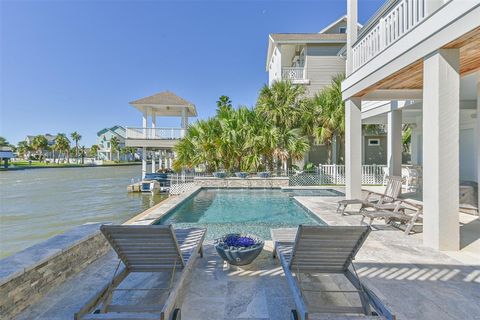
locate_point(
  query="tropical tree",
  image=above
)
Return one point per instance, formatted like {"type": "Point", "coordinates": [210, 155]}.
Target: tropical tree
{"type": "Point", "coordinates": [39, 145]}
{"type": "Point", "coordinates": [76, 137]}
{"type": "Point", "coordinates": [94, 151]}
{"type": "Point", "coordinates": [280, 103]}
{"type": "Point", "coordinates": [129, 152]}
{"type": "Point", "coordinates": [23, 148]}
{"type": "Point", "coordinates": [326, 119]}
{"type": "Point", "coordinates": [82, 153]}
{"type": "Point", "coordinates": [62, 145]}
{"type": "Point", "coordinates": [4, 142]}
{"type": "Point", "coordinates": [115, 146]}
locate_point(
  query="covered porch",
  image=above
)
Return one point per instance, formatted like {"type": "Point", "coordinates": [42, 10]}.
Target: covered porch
{"type": "Point", "coordinates": [429, 78]}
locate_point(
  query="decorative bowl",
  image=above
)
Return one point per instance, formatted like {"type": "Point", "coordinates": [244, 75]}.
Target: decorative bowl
{"type": "Point", "coordinates": [238, 249]}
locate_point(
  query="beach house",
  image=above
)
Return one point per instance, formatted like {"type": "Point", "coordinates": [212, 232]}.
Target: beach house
{"type": "Point", "coordinates": [105, 150]}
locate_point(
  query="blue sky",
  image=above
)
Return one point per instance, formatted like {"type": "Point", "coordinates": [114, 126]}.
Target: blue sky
{"type": "Point", "coordinates": [75, 65]}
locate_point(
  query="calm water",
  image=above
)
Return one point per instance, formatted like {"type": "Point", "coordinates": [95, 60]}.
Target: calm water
{"type": "Point", "coordinates": [250, 211]}
{"type": "Point", "coordinates": [39, 203]}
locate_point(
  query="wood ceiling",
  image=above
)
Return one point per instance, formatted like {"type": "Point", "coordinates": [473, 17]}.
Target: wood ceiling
{"type": "Point", "coordinates": [411, 77]}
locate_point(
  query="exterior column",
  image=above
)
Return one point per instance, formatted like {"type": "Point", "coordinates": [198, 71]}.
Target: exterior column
{"type": "Point", "coordinates": [144, 161]}
{"type": "Point", "coordinates": [353, 148]}
{"type": "Point", "coordinates": [144, 122]}
{"type": "Point", "coordinates": [154, 169]}
{"type": "Point", "coordinates": [394, 141]}
{"type": "Point", "coordinates": [478, 137]}
{"type": "Point", "coordinates": [441, 112]}
{"type": "Point", "coordinates": [184, 118]}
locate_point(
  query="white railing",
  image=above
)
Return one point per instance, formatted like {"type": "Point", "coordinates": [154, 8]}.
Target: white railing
{"type": "Point", "coordinates": [293, 73]}
{"type": "Point", "coordinates": [155, 133]}
{"type": "Point", "coordinates": [389, 27]}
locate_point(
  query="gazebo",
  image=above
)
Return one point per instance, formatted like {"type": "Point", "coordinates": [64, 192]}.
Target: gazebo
{"type": "Point", "coordinates": [159, 140]}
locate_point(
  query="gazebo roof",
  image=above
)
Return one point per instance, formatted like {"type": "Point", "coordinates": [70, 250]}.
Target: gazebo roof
{"type": "Point", "coordinates": [165, 104]}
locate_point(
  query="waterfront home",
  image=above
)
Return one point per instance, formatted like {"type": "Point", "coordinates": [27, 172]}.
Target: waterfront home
{"type": "Point", "coordinates": [50, 141]}
{"type": "Point", "coordinates": [157, 142]}
{"type": "Point", "coordinates": [422, 59]}
{"type": "Point", "coordinates": [6, 154]}
{"type": "Point", "coordinates": [312, 60]}
{"type": "Point", "coordinates": [104, 145]}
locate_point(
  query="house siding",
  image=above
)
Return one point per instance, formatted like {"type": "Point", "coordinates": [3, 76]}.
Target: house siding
{"type": "Point", "coordinates": [322, 64]}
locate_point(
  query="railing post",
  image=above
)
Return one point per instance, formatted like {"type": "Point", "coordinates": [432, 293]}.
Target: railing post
{"type": "Point", "coordinates": [382, 34]}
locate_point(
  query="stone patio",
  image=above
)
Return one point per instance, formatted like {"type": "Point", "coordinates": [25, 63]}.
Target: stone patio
{"type": "Point", "coordinates": [415, 282]}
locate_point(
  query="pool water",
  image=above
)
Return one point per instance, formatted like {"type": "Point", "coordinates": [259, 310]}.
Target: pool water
{"type": "Point", "coordinates": [240, 210]}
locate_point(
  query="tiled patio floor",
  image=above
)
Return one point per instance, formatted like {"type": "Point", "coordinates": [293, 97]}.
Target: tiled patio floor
{"type": "Point", "coordinates": [415, 282]}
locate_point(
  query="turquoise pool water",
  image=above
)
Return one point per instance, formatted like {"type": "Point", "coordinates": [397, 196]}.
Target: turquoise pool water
{"type": "Point", "coordinates": [249, 211]}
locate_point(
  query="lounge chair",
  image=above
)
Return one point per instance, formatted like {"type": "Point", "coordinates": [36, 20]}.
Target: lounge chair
{"type": "Point", "coordinates": [325, 250]}
{"type": "Point", "coordinates": [392, 190]}
{"type": "Point", "coordinates": [155, 249]}
{"type": "Point", "coordinates": [404, 215]}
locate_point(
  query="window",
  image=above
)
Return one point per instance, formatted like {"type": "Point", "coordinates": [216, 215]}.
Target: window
{"type": "Point", "coordinates": [374, 142]}
{"type": "Point", "coordinates": [343, 29]}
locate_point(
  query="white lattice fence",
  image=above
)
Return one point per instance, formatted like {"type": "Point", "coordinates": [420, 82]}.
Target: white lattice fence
{"type": "Point", "coordinates": [179, 188]}
{"type": "Point", "coordinates": [335, 174]}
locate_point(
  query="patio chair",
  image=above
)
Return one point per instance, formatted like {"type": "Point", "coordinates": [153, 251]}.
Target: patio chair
{"type": "Point", "coordinates": [392, 190]}
{"type": "Point", "coordinates": [403, 216]}
{"type": "Point", "coordinates": [154, 249]}
{"type": "Point", "coordinates": [327, 250]}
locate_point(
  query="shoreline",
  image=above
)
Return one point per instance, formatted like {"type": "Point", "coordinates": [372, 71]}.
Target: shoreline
{"type": "Point", "coordinates": [72, 166]}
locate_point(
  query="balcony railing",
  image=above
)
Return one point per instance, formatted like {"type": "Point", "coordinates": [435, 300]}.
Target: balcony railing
{"type": "Point", "coordinates": [293, 73]}
{"type": "Point", "coordinates": [402, 16]}
{"type": "Point", "coordinates": [155, 133]}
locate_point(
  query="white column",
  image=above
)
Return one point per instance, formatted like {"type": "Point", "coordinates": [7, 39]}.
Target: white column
{"type": "Point", "coordinates": [478, 136]}
{"type": "Point", "coordinates": [353, 148]}
{"type": "Point", "coordinates": [184, 118]}
{"type": "Point", "coordinates": [144, 122]}
{"type": "Point", "coordinates": [154, 169]}
{"type": "Point", "coordinates": [144, 162]}
{"type": "Point", "coordinates": [352, 18]}
{"type": "Point", "coordinates": [441, 111]}
{"type": "Point", "coordinates": [394, 141]}
{"type": "Point", "coordinates": [154, 124]}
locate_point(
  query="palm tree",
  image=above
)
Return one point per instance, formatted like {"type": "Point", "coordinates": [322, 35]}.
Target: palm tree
{"type": "Point", "coordinates": [39, 145]}
{"type": "Point", "coordinates": [82, 153]}
{"type": "Point", "coordinates": [94, 151]}
{"type": "Point", "coordinates": [62, 145]}
{"type": "Point", "coordinates": [76, 137]}
{"type": "Point", "coordinates": [4, 142]}
{"type": "Point", "coordinates": [328, 109]}
{"type": "Point", "coordinates": [24, 149]}
{"type": "Point", "coordinates": [114, 146]}
{"type": "Point", "coordinates": [280, 103]}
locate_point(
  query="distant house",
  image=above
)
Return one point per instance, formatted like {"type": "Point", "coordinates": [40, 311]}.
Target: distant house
{"type": "Point", "coordinates": [50, 139]}
{"type": "Point", "coordinates": [104, 146]}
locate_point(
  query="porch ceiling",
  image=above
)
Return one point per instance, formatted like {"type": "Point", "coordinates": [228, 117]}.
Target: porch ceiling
{"type": "Point", "coordinates": [411, 77]}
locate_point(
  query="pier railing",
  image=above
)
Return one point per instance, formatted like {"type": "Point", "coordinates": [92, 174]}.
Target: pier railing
{"type": "Point", "coordinates": [155, 133]}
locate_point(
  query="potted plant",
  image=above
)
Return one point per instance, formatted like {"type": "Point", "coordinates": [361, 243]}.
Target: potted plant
{"type": "Point", "coordinates": [242, 174]}
{"type": "Point", "coordinates": [264, 174]}
{"type": "Point", "coordinates": [219, 174]}
{"type": "Point", "coordinates": [238, 249]}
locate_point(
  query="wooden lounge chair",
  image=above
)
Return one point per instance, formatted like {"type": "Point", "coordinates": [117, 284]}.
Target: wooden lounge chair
{"type": "Point", "coordinates": [404, 215]}
{"type": "Point", "coordinates": [154, 249]}
{"type": "Point", "coordinates": [392, 190]}
{"type": "Point", "coordinates": [326, 250]}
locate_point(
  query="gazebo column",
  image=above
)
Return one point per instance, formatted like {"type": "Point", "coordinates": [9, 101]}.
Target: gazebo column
{"type": "Point", "coordinates": [441, 111]}
{"type": "Point", "coordinates": [394, 144]}
{"type": "Point", "coordinates": [154, 125]}
{"type": "Point", "coordinates": [184, 118]}
{"type": "Point", "coordinates": [144, 149]}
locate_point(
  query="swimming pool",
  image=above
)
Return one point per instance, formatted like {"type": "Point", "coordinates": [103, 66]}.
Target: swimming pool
{"type": "Point", "coordinates": [251, 211]}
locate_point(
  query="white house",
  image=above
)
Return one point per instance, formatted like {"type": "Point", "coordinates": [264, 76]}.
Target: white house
{"type": "Point", "coordinates": [312, 60]}
{"type": "Point", "coordinates": [157, 142]}
{"type": "Point", "coordinates": [104, 146]}
{"type": "Point", "coordinates": [419, 60]}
